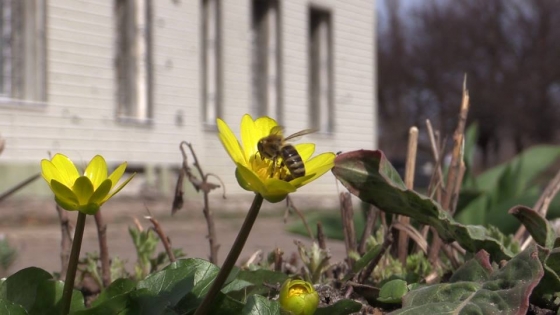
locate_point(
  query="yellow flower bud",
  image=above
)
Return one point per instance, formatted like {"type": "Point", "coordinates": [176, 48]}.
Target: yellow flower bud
{"type": "Point", "coordinates": [298, 297]}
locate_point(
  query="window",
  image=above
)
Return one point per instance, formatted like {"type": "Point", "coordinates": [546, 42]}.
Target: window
{"type": "Point", "coordinates": [133, 60]}
{"type": "Point", "coordinates": [211, 67]}
{"type": "Point", "coordinates": [320, 70]}
{"type": "Point", "coordinates": [22, 50]}
{"type": "Point", "coordinates": [266, 94]}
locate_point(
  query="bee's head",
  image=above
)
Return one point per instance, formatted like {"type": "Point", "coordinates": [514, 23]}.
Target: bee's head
{"type": "Point", "coordinates": [260, 146]}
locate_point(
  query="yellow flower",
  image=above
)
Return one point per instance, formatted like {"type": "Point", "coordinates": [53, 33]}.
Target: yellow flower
{"type": "Point", "coordinates": [84, 193]}
{"type": "Point", "coordinates": [298, 297]}
{"type": "Point", "coordinates": [257, 173]}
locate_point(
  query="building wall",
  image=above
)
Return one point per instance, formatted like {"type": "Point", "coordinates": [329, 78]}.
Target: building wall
{"type": "Point", "coordinates": [78, 118]}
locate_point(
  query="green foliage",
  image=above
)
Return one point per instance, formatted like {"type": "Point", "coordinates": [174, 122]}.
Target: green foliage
{"type": "Point", "coordinates": [485, 198]}
{"type": "Point", "coordinates": [393, 291]}
{"type": "Point", "coordinates": [416, 268]}
{"type": "Point", "coordinates": [145, 243]}
{"type": "Point", "coordinates": [478, 284]}
{"type": "Point", "coordinates": [7, 254]}
{"type": "Point", "coordinates": [370, 176]}
{"type": "Point", "coordinates": [314, 260]}
{"type": "Point", "coordinates": [477, 287]}
{"type": "Point", "coordinates": [177, 289]}
{"type": "Point", "coordinates": [33, 291]}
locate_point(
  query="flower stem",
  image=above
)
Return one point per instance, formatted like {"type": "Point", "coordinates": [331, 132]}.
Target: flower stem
{"type": "Point", "coordinates": [73, 263]}
{"type": "Point", "coordinates": [232, 256]}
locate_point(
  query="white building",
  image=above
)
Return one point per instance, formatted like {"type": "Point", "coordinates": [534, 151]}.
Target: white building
{"type": "Point", "coordinates": [130, 79]}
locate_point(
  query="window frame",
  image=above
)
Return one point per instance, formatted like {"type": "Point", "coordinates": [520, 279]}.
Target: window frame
{"type": "Point", "coordinates": [133, 62]}
{"type": "Point", "coordinates": [321, 69]}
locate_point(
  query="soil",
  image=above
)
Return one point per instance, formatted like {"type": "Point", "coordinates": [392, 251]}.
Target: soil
{"type": "Point", "coordinates": [31, 226]}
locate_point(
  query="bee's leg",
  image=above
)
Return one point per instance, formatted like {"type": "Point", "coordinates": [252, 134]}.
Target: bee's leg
{"type": "Point", "coordinates": [273, 168]}
{"type": "Point", "coordinates": [287, 175]}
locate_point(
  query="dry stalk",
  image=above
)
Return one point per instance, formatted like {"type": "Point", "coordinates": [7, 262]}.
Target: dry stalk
{"type": "Point", "coordinates": [453, 183]}
{"type": "Point", "coordinates": [322, 241]}
{"type": "Point", "coordinates": [278, 260]}
{"type": "Point", "coordinates": [2, 144]}
{"type": "Point", "coordinates": [366, 272]}
{"type": "Point", "coordinates": [19, 186]}
{"type": "Point", "coordinates": [371, 217]}
{"type": "Point", "coordinates": [65, 242]}
{"type": "Point", "coordinates": [541, 206]}
{"type": "Point", "coordinates": [436, 151]}
{"type": "Point", "coordinates": [164, 239]}
{"type": "Point", "coordinates": [347, 214]}
{"type": "Point", "coordinates": [291, 206]}
{"type": "Point", "coordinates": [206, 187]}
{"type": "Point", "coordinates": [414, 234]}
{"type": "Point", "coordinates": [402, 247]}
{"type": "Point", "coordinates": [103, 249]}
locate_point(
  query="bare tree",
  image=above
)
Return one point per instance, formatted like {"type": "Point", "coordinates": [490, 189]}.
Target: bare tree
{"type": "Point", "coordinates": [509, 50]}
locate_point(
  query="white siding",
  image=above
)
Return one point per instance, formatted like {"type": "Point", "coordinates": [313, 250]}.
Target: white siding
{"type": "Point", "coordinates": [79, 118]}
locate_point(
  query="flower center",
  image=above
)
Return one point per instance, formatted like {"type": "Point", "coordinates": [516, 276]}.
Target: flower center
{"type": "Point", "coordinates": [297, 290]}
{"type": "Point", "coordinates": [269, 168]}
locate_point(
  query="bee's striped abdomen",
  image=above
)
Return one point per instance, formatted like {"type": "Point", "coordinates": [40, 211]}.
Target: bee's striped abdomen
{"type": "Point", "coordinates": [292, 160]}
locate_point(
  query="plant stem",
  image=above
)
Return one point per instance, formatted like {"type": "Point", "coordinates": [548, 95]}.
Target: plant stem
{"type": "Point", "coordinates": [73, 263]}
{"type": "Point", "coordinates": [232, 256]}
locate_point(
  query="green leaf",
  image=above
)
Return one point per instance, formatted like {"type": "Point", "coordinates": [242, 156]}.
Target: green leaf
{"type": "Point", "coordinates": [259, 305]}
{"type": "Point", "coordinates": [183, 278]}
{"type": "Point", "coordinates": [366, 258]}
{"type": "Point", "coordinates": [368, 175]}
{"type": "Point", "coordinates": [9, 308]}
{"type": "Point", "coordinates": [478, 288]}
{"type": "Point", "coordinates": [539, 228]}
{"type": "Point", "coordinates": [21, 287]}
{"type": "Point", "coordinates": [49, 296]}
{"type": "Point", "coordinates": [393, 291]}
{"type": "Point", "coordinates": [530, 163]}
{"type": "Point", "coordinates": [341, 307]}
{"type": "Point", "coordinates": [250, 282]}
{"type": "Point", "coordinates": [118, 288]}
{"type": "Point", "coordinates": [177, 289]}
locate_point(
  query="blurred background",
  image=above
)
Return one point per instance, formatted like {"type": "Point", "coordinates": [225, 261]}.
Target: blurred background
{"type": "Point", "coordinates": [508, 50]}
{"type": "Point", "coordinates": [130, 79]}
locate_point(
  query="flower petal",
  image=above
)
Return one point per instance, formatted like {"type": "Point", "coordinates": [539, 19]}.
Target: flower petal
{"type": "Point", "coordinates": [263, 125]}
{"type": "Point", "coordinates": [118, 173]}
{"type": "Point", "coordinates": [101, 192]}
{"type": "Point", "coordinates": [318, 166]}
{"type": "Point", "coordinates": [241, 181]}
{"type": "Point", "coordinates": [253, 182]}
{"type": "Point", "coordinates": [66, 204]}
{"type": "Point", "coordinates": [83, 189]}
{"type": "Point", "coordinates": [298, 181]}
{"type": "Point", "coordinates": [249, 136]}
{"type": "Point", "coordinates": [90, 208]}
{"type": "Point", "coordinates": [277, 190]}
{"type": "Point", "coordinates": [305, 150]}
{"type": "Point", "coordinates": [230, 143]}
{"type": "Point", "coordinates": [64, 193]}
{"type": "Point", "coordinates": [96, 171]}
{"type": "Point", "coordinates": [49, 171]}
{"type": "Point", "coordinates": [119, 188]}
{"type": "Point", "coordinates": [67, 171]}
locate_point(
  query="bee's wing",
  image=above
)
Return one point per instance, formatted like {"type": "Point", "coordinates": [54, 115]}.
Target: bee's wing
{"type": "Point", "coordinates": [277, 130]}
{"type": "Point", "coordinates": [300, 134]}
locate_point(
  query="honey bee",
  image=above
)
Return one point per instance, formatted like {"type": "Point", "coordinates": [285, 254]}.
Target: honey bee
{"type": "Point", "coordinates": [274, 146]}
